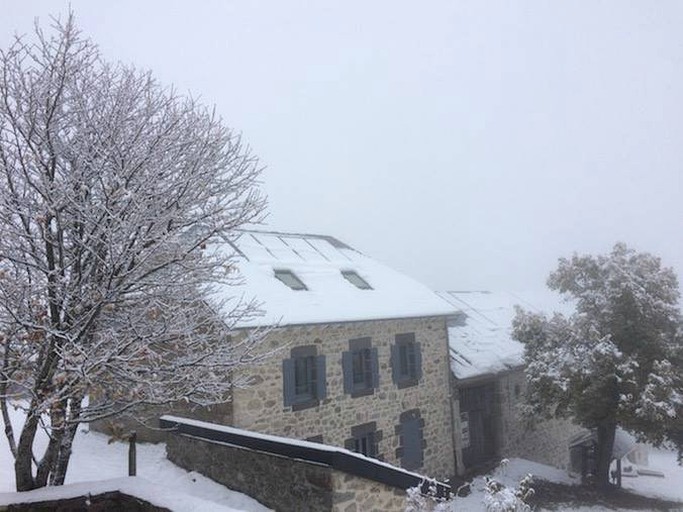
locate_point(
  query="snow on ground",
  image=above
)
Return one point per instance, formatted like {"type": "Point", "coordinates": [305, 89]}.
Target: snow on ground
{"type": "Point", "coordinates": [94, 459]}
{"type": "Point", "coordinates": [669, 488]}
{"type": "Point", "coordinates": [135, 486]}
{"type": "Point", "coordinates": [509, 474]}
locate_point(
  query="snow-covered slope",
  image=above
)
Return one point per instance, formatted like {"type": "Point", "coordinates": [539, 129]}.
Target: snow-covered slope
{"type": "Point", "coordinates": [94, 459]}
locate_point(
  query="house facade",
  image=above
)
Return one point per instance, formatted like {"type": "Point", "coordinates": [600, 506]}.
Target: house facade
{"type": "Point", "coordinates": [360, 353]}
{"type": "Point", "coordinates": [488, 385]}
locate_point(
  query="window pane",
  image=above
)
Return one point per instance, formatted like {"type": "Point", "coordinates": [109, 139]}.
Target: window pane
{"type": "Point", "coordinates": [290, 279]}
{"type": "Point", "coordinates": [304, 377]}
{"type": "Point", "coordinates": [362, 370]}
{"type": "Point", "coordinates": [356, 280]}
{"type": "Point", "coordinates": [366, 445]}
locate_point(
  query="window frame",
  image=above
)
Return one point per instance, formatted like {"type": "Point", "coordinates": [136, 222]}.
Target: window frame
{"type": "Point", "coordinates": [406, 360]}
{"type": "Point", "coordinates": [365, 439]}
{"type": "Point", "coordinates": [360, 368]}
{"type": "Point", "coordinates": [412, 443]}
{"type": "Point", "coordinates": [306, 362]}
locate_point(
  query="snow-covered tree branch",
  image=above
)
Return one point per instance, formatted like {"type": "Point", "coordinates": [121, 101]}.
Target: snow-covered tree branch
{"type": "Point", "coordinates": [116, 195]}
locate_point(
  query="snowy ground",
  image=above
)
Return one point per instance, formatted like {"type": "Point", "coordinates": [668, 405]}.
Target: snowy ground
{"type": "Point", "coordinates": [669, 488]}
{"type": "Point", "coordinates": [95, 459]}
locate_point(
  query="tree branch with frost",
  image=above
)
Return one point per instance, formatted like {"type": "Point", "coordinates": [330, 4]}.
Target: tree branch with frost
{"type": "Point", "coordinates": [115, 197]}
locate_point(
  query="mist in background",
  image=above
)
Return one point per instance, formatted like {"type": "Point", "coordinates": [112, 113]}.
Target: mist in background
{"type": "Point", "coordinates": [467, 144]}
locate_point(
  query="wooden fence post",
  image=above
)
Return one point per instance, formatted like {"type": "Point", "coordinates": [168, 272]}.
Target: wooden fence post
{"type": "Point", "coordinates": [132, 456]}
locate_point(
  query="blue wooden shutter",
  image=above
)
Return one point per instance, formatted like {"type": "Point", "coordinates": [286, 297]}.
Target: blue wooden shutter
{"type": "Point", "coordinates": [288, 381]}
{"type": "Point", "coordinates": [418, 361]}
{"type": "Point", "coordinates": [395, 364]}
{"type": "Point", "coordinates": [411, 434]}
{"type": "Point", "coordinates": [347, 370]}
{"type": "Point", "coordinates": [320, 378]}
{"type": "Point", "coordinates": [374, 362]}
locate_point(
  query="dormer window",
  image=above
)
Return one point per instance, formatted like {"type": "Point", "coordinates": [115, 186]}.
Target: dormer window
{"type": "Point", "coordinates": [290, 279]}
{"type": "Point", "coordinates": [352, 277]}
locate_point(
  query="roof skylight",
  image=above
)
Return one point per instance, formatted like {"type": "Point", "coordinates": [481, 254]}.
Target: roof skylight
{"type": "Point", "coordinates": [290, 279]}
{"type": "Point", "coordinates": [352, 277]}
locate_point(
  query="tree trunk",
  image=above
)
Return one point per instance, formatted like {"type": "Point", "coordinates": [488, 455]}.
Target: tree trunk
{"type": "Point", "coordinates": [62, 461]}
{"type": "Point", "coordinates": [64, 454]}
{"type": "Point", "coordinates": [606, 434]}
{"type": "Point", "coordinates": [23, 464]}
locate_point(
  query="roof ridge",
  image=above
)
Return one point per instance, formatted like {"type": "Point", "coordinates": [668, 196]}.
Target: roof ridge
{"type": "Point", "coordinates": [335, 242]}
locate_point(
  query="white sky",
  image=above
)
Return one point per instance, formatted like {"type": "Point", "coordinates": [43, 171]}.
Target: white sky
{"type": "Point", "coordinates": [467, 143]}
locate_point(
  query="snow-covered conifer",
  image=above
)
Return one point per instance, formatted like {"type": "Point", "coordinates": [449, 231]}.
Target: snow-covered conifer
{"type": "Point", "coordinates": [617, 360]}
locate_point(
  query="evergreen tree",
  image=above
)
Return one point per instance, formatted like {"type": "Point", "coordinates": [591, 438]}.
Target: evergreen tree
{"type": "Point", "coordinates": [617, 360]}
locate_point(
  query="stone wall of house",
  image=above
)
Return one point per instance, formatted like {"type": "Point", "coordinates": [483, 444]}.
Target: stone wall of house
{"type": "Point", "coordinates": [542, 441]}
{"type": "Point", "coordinates": [355, 494]}
{"type": "Point", "coordinates": [260, 407]}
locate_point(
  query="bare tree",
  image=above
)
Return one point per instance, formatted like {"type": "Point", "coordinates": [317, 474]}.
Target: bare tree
{"type": "Point", "coordinates": [116, 195]}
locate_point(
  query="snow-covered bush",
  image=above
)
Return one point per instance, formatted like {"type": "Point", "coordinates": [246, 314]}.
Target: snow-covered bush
{"type": "Point", "coordinates": [425, 498]}
{"type": "Point", "coordinates": [498, 498]}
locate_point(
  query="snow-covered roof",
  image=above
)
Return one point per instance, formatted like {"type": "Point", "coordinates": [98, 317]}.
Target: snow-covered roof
{"type": "Point", "coordinates": [320, 263]}
{"type": "Point", "coordinates": [624, 443]}
{"type": "Point", "coordinates": [480, 338]}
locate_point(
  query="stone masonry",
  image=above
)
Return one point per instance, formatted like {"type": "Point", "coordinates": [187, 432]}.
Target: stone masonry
{"type": "Point", "coordinates": [282, 483]}
{"type": "Point", "coordinates": [278, 482]}
{"type": "Point", "coordinates": [260, 407]}
{"type": "Point", "coordinates": [544, 441]}
{"type": "Point", "coordinates": [354, 494]}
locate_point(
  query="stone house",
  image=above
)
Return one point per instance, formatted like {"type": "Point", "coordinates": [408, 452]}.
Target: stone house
{"type": "Point", "coordinates": [488, 384]}
{"type": "Point", "coordinates": [361, 357]}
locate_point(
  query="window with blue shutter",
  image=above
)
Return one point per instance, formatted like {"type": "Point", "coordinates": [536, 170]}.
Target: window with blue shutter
{"type": "Point", "coordinates": [304, 378]}
{"type": "Point", "coordinates": [365, 439]}
{"type": "Point", "coordinates": [411, 441]}
{"type": "Point", "coordinates": [360, 365]}
{"type": "Point", "coordinates": [406, 360]}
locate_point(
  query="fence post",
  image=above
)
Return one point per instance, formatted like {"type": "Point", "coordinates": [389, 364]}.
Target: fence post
{"type": "Point", "coordinates": [619, 473]}
{"type": "Point", "coordinates": [132, 456]}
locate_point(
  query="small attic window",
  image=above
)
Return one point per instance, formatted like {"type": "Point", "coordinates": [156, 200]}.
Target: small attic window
{"type": "Point", "coordinates": [290, 279]}
{"type": "Point", "coordinates": [356, 280]}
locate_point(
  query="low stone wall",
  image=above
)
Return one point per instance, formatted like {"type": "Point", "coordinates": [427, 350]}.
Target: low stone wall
{"type": "Point", "coordinates": [354, 494]}
{"type": "Point", "coordinates": [290, 475]}
{"type": "Point", "coordinates": [277, 482]}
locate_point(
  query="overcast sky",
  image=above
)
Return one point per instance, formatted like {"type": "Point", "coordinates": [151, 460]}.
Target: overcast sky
{"type": "Point", "coordinates": [468, 144]}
